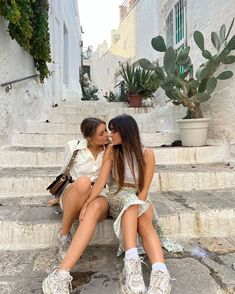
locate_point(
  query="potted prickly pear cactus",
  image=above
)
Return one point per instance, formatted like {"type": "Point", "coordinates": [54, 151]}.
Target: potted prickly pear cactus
{"type": "Point", "coordinates": [182, 88]}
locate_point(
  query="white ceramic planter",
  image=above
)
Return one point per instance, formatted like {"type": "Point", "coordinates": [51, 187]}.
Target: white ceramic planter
{"type": "Point", "coordinates": [193, 132]}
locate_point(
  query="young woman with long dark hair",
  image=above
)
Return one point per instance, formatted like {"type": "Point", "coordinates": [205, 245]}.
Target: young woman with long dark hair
{"type": "Point", "coordinates": [132, 168]}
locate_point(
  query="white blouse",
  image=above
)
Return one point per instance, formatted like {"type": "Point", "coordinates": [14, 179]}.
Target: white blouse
{"type": "Point", "coordinates": [84, 164]}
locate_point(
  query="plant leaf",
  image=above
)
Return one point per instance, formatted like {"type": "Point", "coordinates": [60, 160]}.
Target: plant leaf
{"type": "Point", "coordinates": [229, 59]}
{"type": "Point", "coordinates": [206, 54]}
{"type": "Point", "coordinates": [194, 84]}
{"type": "Point", "coordinates": [222, 33]}
{"type": "Point", "coordinates": [200, 97]}
{"type": "Point", "coordinates": [170, 60]}
{"type": "Point", "coordinates": [182, 57]}
{"type": "Point", "coordinates": [146, 64]}
{"type": "Point", "coordinates": [202, 86]}
{"type": "Point", "coordinates": [225, 75]}
{"type": "Point", "coordinates": [215, 40]}
{"type": "Point", "coordinates": [199, 39]}
{"type": "Point", "coordinates": [204, 73]}
{"type": "Point", "coordinates": [211, 85]}
{"type": "Point", "coordinates": [160, 73]}
{"type": "Point", "coordinates": [158, 44]}
{"type": "Point", "coordinates": [231, 43]}
{"type": "Point", "coordinates": [224, 53]}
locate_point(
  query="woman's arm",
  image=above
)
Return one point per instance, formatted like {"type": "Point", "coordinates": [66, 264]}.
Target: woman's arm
{"type": "Point", "coordinates": [103, 175]}
{"type": "Point", "coordinates": [149, 172]}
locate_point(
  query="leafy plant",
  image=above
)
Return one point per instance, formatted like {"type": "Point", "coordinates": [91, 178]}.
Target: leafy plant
{"type": "Point", "coordinates": [89, 90]}
{"type": "Point", "coordinates": [28, 25]}
{"type": "Point", "coordinates": [181, 87]}
{"type": "Point", "coordinates": [139, 81]}
{"type": "Point", "coordinates": [111, 97]}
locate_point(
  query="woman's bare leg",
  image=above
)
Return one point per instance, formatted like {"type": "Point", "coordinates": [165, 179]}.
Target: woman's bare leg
{"type": "Point", "coordinates": [96, 210]}
{"type": "Point", "coordinates": [149, 237]}
{"type": "Point", "coordinates": [73, 199]}
{"type": "Point", "coordinates": [129, 227]}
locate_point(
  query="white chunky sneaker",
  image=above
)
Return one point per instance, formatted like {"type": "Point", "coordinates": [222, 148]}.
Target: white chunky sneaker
{"type": "Point", "coordinates": [57, 282]}
{"type": "Point", "coordinates": [64, 242]}
{"type": "Point", "coordinates": [132, 272]}
{"type": "Point", "coordinates": [159, 283]}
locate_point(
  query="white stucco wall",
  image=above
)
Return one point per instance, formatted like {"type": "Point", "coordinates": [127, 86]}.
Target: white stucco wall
{"type": "Point", "coordinates": [206, 16]}
{"type": "Point", "coordinates": [30, 99]}
{"type": "Point", "coordinates": [103, 67]}
{"type": "Point", "coordinates": [25, 99]}
{"type": "Point", "coordinates": [65, 41]}
{"type": "Point", "coordinates": [146, 28]}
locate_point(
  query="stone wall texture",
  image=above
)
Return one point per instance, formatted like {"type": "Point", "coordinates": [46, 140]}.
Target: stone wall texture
{"type": "Point", "coordinates": [29, 99]}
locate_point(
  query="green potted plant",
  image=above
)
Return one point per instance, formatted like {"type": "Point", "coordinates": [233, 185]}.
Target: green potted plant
{"type": "Point", "coordinates": [183, 88]}
{"type": "Point", "coordinates": [139, 83]}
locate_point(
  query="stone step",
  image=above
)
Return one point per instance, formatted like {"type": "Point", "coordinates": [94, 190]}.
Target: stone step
{"type": "Point", "coordinates": [92, 109]}
{"type": "Point", "coordinates": [16, 182]}
{"type": "Point", "coordinates": [53, 157]}
{"type": "Point", "coordinates": [43, 140]}
{"type": "Point", "coordinates": [33, 181]}
{"type": "Point", "coordinates": [31, 157]}
{"type": "Point", "coordinates": [55, 117]}
{"type": "Point", "coordinates": [60, 139]}
{"type": "Point", "coordinates": [181, 215]}
{"type": "Point", "coordinates": [70, 118]}
{"type": "Point", "coordinates": [193, 177]}
{"type": "Point", "coordinates": [100, 272]}
{"type": "Point", "coordinates": [50, 128]}
{"type": "Point", "coordinates": [189, 155]}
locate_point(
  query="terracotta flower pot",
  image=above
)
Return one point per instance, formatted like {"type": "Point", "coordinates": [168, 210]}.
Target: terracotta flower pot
{"type": "Point", "coordinates": [135, 100]}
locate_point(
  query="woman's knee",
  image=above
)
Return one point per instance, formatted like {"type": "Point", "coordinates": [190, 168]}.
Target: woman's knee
{"type": "Point", "coordinates": [82, 184]}
{"type": "Point", "coordinates": [97, 208]}
{"type": "Point", "coordinates": [78, 191]}
{"type": "Point", "coordinates": [144, 221]}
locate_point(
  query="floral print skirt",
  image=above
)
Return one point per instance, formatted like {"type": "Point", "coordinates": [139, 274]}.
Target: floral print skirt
{"type": "Point", "coordinates": [120, 202]}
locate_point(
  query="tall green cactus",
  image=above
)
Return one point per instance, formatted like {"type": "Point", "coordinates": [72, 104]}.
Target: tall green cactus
{"type": "Point", "coordinates": [181, 87]}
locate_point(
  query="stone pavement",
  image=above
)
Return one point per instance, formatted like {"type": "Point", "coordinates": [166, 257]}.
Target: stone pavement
{"type": "Point", "coordinates": [206, 267]}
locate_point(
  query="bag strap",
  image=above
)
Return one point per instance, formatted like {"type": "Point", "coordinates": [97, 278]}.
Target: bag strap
{"type": "Point", "coordinates": [69, 166]}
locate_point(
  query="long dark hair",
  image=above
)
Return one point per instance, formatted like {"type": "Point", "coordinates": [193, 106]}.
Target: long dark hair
{"type": "Point", "coordinates": [89, 126]}
{"type": "Point", "coordinates": [131, 149]}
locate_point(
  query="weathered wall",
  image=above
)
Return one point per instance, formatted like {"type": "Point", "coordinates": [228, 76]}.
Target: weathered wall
{"type": "Point", "coordinates": [25, 99]}
{"type": "Point", "coordinates": [147, 20]}
{"type": "Point", "coordinates": [30, 99]}
{"type": "Point", "coordinates": [66, 51]}
{"type": "Point", "coordinates": [208, 16]}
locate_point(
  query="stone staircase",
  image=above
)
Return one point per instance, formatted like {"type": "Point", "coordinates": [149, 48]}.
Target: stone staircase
{"type": "Point", "coordinates": [192, 187]}
{"type": "Point", "coordinates": [192, 190]}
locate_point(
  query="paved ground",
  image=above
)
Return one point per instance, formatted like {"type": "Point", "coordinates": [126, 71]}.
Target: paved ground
{"type": "Point", "coordinates": [206, 267]}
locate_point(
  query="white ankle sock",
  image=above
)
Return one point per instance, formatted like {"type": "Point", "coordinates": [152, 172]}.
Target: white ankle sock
{"type": "Point", "coordinates": [159, 266]}
{"type": "Point", "coordinates": [132, 253]}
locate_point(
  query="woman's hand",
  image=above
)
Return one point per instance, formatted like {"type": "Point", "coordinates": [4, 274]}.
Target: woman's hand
{"type": "Point", "coordinates": [142, 196]}
{"type": "Point", "coordinates": [83, 212]}
{"type": "Point", "coordinates": [53, 201]}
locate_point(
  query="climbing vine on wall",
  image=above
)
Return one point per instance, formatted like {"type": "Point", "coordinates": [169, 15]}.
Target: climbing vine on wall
{"type": "Point", "coordinates": [28, 25]}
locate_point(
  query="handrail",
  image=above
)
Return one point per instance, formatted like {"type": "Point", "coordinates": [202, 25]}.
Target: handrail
{"type": "Point", "coordinates": [8, 85]}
